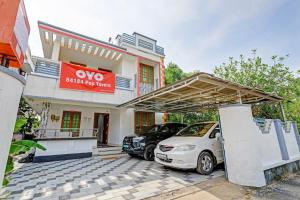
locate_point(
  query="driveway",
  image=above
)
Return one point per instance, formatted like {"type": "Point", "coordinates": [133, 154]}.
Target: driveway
{"type": "Point", "coordinates": [95, 178]}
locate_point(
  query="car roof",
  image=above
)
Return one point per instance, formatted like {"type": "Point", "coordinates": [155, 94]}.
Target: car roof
{"type": "Point", "coordinates": [206, 122]}
{"type": "Point", "coordinates": [172, 123]}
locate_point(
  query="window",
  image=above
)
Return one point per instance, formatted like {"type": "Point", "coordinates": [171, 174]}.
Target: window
{"type": "Point", "coordinates": [147, 74]}
{"type": "Point", "coordinates": [143, 120]}
{"type": "Point", "coordinates": [196, 130]}
{"type": "Point", "coordinates": [71, 122]}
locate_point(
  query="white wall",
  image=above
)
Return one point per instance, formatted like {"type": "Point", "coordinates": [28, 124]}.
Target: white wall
{"type": "Point", "coordinates": [249, 150]}
{"type": "Point", "coordinates": [291, 144]}
{"type": "Point", "coordinates": [121, 125]}
{"type": "Point", "coordinates": [59, 147]}
{"type": "Point", "coordinates": [10, 93]}
{"type": "Point", "coordinates": [240, 133]}
{"type": "Point", "coordinates": [87, 115]}
{"type": "Point", "coordinates": [270, 150]}
{"type": "Point", "coordinates": [159, 118]}
{"type": "Point", "coordinates": [114, 127]}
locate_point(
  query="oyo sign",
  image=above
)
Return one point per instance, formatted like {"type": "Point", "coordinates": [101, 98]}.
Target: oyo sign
{"type": "Point", "coordinates": [81, 78]}
{"type": "Point", "coordinates": [90, 75]}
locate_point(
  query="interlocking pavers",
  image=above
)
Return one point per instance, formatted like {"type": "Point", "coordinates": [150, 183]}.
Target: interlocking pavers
{"type": "Point", "coordinates": [93, 178]}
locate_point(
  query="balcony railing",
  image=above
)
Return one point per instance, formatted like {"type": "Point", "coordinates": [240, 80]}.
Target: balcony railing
{"type": "Point", "coordinates": [65, 133]}
{"type": "Point", "coordinates": [132, 40]}
{"type": "Point", "coordinates": [146, 88]}
{"type": "Point", "coordinates": [51, 68]}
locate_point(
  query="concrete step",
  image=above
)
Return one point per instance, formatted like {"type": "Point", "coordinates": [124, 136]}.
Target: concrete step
{"type": "Point", "coordinates": [107, 151]}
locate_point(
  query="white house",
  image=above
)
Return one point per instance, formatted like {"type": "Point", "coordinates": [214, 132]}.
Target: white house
{"type": "Point", "coordinates": [80, 81]}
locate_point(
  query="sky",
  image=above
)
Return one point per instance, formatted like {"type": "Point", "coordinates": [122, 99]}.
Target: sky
{"type": "Point", "coordinates": [196, 34]}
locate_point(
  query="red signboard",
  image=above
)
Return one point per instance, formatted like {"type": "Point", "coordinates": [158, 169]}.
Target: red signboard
{"type": "Point", "coordinates": [82, 78]}
{"type": "Point", "coordinates": [14, 31]}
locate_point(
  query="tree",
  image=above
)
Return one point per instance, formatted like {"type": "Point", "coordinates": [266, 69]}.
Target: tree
{"type": "Point", "coordinates": [27, 119]}
{"type": "Point", "coordinates": [274, 78]}
{"type": "Point", "coordinates": [173, 73]}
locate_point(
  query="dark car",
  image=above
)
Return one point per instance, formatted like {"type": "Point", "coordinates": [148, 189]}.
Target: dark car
{"type": "Point", "coordinates": [145, 144]}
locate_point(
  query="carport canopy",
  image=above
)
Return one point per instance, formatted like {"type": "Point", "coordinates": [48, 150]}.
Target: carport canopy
{"type": "Point", "coordinates": [199, 91]}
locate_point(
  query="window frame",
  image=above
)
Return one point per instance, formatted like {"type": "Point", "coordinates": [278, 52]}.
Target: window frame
{"type": "Point", "coordinates": [145, 71]}
{"type": "Point", "coordinates": [139, 118]}
{"type": "Point", "coordinates": [63, 129]}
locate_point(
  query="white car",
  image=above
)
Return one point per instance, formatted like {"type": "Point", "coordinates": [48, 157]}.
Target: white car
{"type": "Point", "coordinates": [195, 147]}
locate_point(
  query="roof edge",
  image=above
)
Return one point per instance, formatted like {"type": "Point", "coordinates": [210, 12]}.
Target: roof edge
{"type": "Point", "coordinates": [80, 35]}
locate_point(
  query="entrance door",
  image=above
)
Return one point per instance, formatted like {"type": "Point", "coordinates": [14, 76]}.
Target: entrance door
{"type": "Point", "coordinates": [101, 122]}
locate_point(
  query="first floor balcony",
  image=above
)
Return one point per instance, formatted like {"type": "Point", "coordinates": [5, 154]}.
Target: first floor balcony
{"type": "Point", "coordinates": [45, 83]}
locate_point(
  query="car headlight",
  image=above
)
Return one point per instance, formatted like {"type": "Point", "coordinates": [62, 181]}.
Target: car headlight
{"type": "Point", "coordinates": [140, 141]}
{"type": "Point", "coordinates": [185, 148]}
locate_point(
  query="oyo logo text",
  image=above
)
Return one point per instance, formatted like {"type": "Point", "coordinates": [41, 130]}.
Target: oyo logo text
{"type": "Point", "coordinates": [90, 75]}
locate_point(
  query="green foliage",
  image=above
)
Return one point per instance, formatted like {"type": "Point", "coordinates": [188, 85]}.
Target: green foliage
{"type": "Point", "coordinates": [9, 165]}
{"type": "Point", "coordinates": [174, 73]}
{"type": "Point", "coordinates": [28, 119]}
{"type": "Point", "coordinates": [24, 146]}
{"type": "Point", "coordinates": [19, 124]}
{"type": "Point", "coordinates": [5, 182]}
{"type": "Point", "coordinates": [16, 148]}
{"type": "Point", "coordinates": [274, 78]}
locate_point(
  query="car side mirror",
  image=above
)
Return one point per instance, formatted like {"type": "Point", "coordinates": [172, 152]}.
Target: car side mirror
{"type": "Point", "coordinates": [218, 136]}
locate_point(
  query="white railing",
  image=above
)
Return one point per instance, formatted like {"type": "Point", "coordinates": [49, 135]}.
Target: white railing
{"type": "Point", "coordinates": [146, 88]}
{"type": "Point", "coordinates": [65, 133]}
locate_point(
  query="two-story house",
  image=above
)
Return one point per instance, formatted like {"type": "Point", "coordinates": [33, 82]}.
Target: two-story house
{"type": "Point", "coordinates": [80, 81]}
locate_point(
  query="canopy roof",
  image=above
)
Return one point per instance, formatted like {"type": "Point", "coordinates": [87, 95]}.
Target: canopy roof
{"type": "Point", "coordinates": [199, 91]}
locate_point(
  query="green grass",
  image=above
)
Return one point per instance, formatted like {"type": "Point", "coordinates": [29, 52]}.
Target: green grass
{"type": "Point", "coordinates": [5, 182]}
{"type": "Point", "coordinates": [9, 165]}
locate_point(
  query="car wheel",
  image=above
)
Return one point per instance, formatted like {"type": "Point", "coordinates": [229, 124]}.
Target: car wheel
{"type": "Point", "coordinates": [205, 164]}
{"type": "Point", "coordinates": [149, 152]}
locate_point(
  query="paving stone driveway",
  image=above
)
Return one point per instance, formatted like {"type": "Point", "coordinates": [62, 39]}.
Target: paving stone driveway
{"type": "Point", "coordinates": [93, 178]}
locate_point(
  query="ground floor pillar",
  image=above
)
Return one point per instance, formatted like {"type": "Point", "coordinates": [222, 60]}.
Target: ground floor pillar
{"type": "Point", "coordinates": [11, 87]}
{"type": "Point", "coordinates": [241, 145]}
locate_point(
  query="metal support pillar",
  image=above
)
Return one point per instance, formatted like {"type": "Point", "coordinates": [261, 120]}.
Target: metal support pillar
{"type": "Point", "coordinates": [282, 111]}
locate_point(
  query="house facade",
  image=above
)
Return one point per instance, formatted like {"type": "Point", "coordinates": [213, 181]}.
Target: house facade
{"type": "Point", "coordinates": [79, 83]}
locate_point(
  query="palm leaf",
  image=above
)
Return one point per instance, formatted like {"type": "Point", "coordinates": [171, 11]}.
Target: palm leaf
{"type": "Point", "coordinates": [19, 123]}
{"type": "Point", "coordinates": [16, 148]}
{"type": "Point", "coordinates": [29, 144]}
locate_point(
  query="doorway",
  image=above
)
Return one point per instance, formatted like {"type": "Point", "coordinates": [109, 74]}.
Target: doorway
{"type": "Point", "coordinates": [101, 122]}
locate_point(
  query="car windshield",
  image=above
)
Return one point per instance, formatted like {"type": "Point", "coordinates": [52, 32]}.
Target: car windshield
{"type": "Point", "coordinates": [197, 130]}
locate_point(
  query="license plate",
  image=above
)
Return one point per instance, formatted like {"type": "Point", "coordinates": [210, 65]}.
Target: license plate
{"type": "Point", "coordinates": [162, 156]}
{"type": "Point", "coordinates": [125, 146]}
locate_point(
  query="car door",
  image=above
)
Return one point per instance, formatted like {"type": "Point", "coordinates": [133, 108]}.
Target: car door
{"type": "Point", "coordinates": [216, 143]}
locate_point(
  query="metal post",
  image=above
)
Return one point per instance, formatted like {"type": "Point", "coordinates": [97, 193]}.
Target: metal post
{"type": "Point", "coordinates": [222, 144]}
{"type": "Point", "coordinates": [282, 111]}
{"type": "Point", "coordinates": [239, 97]}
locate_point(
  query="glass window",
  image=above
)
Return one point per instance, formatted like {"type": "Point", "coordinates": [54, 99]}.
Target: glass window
{"type": "Point", "coordinates": [197, 130]}
{"type": "Point", "coordinates": [71, 121]}
{"type": "Point", "coordinates": [147, 74]}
